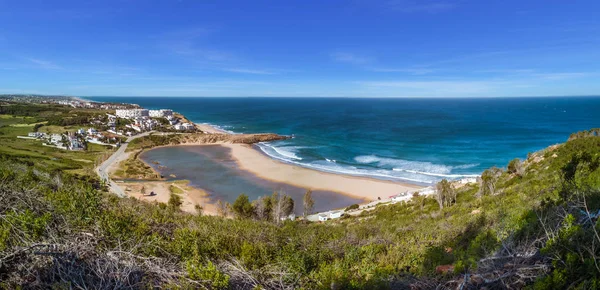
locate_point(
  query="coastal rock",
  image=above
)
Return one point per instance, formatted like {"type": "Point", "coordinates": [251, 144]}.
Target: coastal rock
{"type": "Point", "coordinates": [231, 138]}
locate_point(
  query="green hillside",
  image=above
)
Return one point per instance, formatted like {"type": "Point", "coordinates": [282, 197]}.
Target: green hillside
{"type": "Point", "coordinates": [534, 224]}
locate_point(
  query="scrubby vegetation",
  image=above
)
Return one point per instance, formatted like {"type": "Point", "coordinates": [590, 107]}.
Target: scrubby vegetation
{"type": "Point", "coordinates": [134, 168]}
{"type": "Point", "coordinates": [538, 229]}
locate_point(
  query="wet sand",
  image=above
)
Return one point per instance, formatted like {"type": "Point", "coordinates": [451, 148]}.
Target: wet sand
{"type": "Point", "coordinates": [212, 168]}
{"type": "Point", "coordinates": [254, 161]}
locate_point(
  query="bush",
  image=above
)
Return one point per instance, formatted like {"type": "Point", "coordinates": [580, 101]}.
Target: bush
{"type": "Point", "coordinates": [352, 207]}
{"type": "Point", "coordinates": [175, 201]}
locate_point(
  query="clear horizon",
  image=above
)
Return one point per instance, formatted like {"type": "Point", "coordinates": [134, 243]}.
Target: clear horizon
{"type": "Point", "coordinates": [362, 49]}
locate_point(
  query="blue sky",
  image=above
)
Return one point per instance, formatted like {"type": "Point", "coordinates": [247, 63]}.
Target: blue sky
{"type": "Point", "coordinates": [393, 48]}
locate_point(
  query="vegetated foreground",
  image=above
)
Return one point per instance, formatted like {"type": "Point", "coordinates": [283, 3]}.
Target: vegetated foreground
{"type": "Point", "coordinates": [533, 225]}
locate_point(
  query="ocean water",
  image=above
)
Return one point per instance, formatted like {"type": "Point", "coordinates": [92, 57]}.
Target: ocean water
{"type": "Point", "coordinates": [415, 140]}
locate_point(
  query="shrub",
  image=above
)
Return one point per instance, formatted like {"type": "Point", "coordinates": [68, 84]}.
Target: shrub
{"type": "Point", "coordinates": [175, 201]}
{"type": "Point", "coordinates": [352, 207]}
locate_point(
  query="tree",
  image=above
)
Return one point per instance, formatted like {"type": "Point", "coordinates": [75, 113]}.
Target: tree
{"type": "Point", "coordinates": [516, 166]}
{"type": "Point", "coordinates": [276, 206]}
{"type": "Point", "coordinates": [221, 208]}
{"type": "Point", "coordinates": [488, 180]}
{"type": "Point", "coordinates": [283, 206]}
{"type": "Point", "coordinates": [288, 205]}
{"type": "Point", "coordinates": [263, 208]}
{"type": "Point", "coordinates": [308, 203]}
{"type": "Point", "coordinates": [242, 208]}
{"type": "Point", "coordinates": [445, 193]}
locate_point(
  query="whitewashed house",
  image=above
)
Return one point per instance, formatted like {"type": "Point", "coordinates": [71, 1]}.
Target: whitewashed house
{"type": "Point", "coordinates": [187, 126]}
{"type": "Point", "coordinates": [56, 138]}
{"type": "Point", "coordinates": [323, 217]}
{"type": "Point", "coordinates": [162, 113]}
{"type": "Point", "coordinates": [132, 113]}
{"type": "Point", "coordinates": [335, 214]}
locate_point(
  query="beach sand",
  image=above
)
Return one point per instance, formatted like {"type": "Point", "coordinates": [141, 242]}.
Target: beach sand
{"type": "Point", "coordinates": [190, 195]}
{"type": "Point", "coordinates": [210, 129]}
{"type": "Point", "coordinates": [361, 187]}
{"type": "Point", "coordinates": [253, 161]}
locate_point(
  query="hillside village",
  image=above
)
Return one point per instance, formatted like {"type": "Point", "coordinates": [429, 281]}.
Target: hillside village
{"type": "Point", "coordinates": [106, 128]}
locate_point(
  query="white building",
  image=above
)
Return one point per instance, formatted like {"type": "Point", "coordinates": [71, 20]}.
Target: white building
{"type": "Point", "coordinates": [291, 217]}
{"type": "Point", "coordinates": [184, 126]}
{"type": "Point", "coordinates": [132, 113]}
{"type": "Point", "coordinates": [56, 138]}
{"type": "Point", "coordinates": [323, 217]}
{"type": "Point", "coordinates": [468, 180]}
{"type": "Point", "coordinates": [335, 214]}
{"type": "Point", "coordinates": [399, 197]}
{"type": "Point", "coordinates": [162, 113]}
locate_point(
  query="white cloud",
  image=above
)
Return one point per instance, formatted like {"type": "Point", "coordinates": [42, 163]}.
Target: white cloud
{"type": "Point", "coordinates": [414, 71]}
{"type": "Point", "coordinates": [426, 6]}
{"type": "Point", "coordinates": [249, 71]}
{"type": "Point", "coordinates": [350, 58]}
{"type": "Point", "coordinates": [561, 76]}
{"type": "Point", "coordinates": [44, 64]}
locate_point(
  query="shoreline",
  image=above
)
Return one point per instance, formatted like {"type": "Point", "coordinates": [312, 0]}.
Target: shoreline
{"type": "Point", "coordinates": [366, 188]}
{"type": "Point", "coordinates": [250, 159]}
{"type": "Point", "coordinates": [264, 167]}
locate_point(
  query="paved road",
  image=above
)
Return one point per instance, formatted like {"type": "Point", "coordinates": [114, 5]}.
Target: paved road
{"type": "Point", "coordinates": [101, 170]}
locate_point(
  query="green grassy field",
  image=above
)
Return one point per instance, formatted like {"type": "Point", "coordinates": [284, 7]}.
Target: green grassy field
{"type": "Point", "coordinates": [12, 126]}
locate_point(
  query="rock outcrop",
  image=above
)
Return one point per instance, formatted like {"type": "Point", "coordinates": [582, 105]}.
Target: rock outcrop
{"type": "Point", "coordinates": [230, 138]}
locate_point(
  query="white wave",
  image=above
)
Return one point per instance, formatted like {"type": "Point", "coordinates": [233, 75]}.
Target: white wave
{"type": "Point", "coordinates": [285, 151]}
{"type": "Point", "coordinates": [466, 166]}
{"type": "Point", "coordinates": [346, 169]}
{"type": "Point", "coordinates": [404, 164]}
{"type": "Point", "coordinates": [330, 160]}
{"type": "Point", "coordinates": [222, 128]}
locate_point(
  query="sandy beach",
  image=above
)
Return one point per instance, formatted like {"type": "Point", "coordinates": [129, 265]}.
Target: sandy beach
{"type": "Point", "coordinates": [210, 129]}
{"type": "Point", "coordinates": [162, 190]}
{"type": "Point", "coordinates": [260, 165]}
{"type": "Point", "coordinates": [361, 187]}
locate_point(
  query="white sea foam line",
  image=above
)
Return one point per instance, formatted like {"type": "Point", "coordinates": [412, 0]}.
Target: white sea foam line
{"type": "Point", "coordinates": [466, 166]}
{"type": "Point", "coordinates": [283, 152]}
{"type": "Point", "coordinates": [339, 171]}
{"type": "Point", "coordinates": [222, 128]}
{"type": "Point", "coordinates": [401, 163]}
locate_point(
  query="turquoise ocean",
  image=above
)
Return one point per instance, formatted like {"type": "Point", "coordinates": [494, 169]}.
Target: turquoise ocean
{"type": "Point", "coordinates": [415, 140]}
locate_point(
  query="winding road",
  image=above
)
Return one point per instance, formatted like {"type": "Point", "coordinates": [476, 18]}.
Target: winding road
{"type": "Point", "coordinates": [101, 170]}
